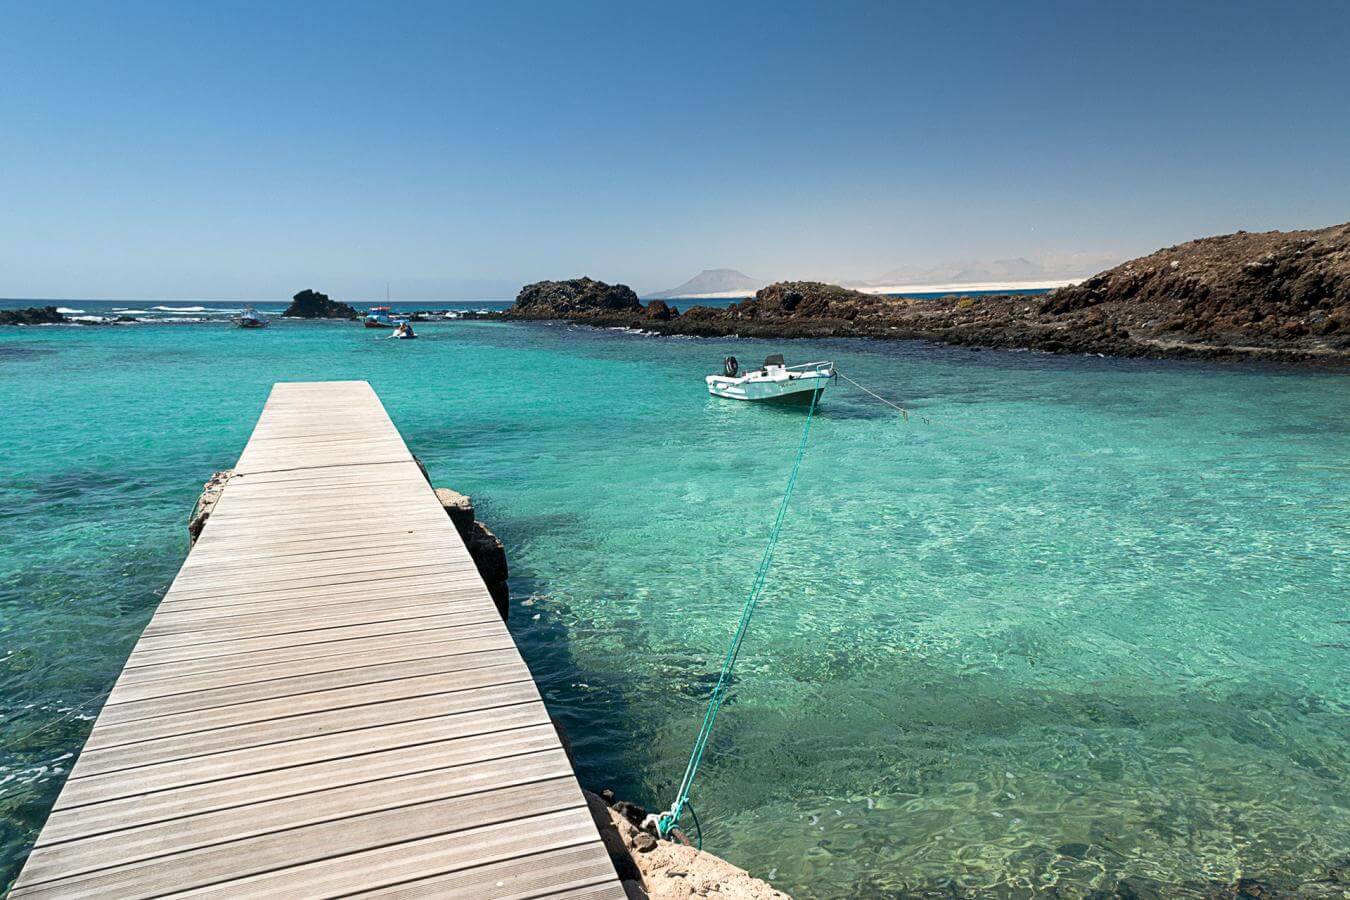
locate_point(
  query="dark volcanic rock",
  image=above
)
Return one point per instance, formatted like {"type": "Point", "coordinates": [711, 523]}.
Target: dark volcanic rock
{"type": "Point", "coordinates": [312, 305]}
{"type": "Point", "coordinates": [37, 315]}
{"type": "Point", "coordinates": [557, 299]}
{"type": "Point", "coordinates": [485, 548]}
{"type": "Point", "coordinates": [1269, 288]}
{"type": "Point", "coordinates": [804, 299]}
{"type": "Point", "coordinates": [1280, 296]}
{"type": "Point", "coordinates": [489, 555]}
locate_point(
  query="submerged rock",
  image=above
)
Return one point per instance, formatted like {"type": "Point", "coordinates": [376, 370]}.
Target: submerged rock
{"type": "Point", "coordinates": [36, 315]}
{"type": "Point", "coordinates": [312, 305]}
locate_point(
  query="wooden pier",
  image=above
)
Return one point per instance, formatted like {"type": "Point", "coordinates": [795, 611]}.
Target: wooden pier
{"type": "Point", "coordinates": [325, 703]}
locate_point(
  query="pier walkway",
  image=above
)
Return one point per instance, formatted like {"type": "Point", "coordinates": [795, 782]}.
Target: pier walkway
{"type": "Point", "coordinates": [325, 703]}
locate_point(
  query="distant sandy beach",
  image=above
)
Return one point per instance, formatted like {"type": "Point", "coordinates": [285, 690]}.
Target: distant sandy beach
{"type": "Point", "coordinates": [969, 286]}
{"type": "Point", "coordinates": [913, 289]}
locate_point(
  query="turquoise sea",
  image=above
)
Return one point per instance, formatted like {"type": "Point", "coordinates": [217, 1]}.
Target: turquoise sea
{"type": "Point", "coordinates": [1087, 631]}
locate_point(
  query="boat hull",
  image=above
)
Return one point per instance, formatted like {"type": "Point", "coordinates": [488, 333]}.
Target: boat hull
{"type": "Point", "coordinates": [794, 391]}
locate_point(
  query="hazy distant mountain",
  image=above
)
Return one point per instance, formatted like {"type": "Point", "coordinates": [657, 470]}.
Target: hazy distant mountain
{"type": "Point", "coordinates": [713, 281]}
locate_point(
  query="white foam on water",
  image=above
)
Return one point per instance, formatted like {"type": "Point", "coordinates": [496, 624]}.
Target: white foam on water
{"type": "Point", "coordinates": [68, 312]}
{"type": "Point", "coordinates": [179, 308]}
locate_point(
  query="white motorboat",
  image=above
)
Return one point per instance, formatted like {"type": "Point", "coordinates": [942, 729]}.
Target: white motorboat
{"type": "Point", "coordinates": [251, 318]}
{"type": "Point", "coordinates": [777, 382]}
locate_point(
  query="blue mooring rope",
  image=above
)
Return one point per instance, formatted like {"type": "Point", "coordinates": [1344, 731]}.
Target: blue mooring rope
{"type": "Point", "coordinates": [671, 818]}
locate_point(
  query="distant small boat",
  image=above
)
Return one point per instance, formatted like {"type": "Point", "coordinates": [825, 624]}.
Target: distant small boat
{"type": "Point", "coordinates": [404, 332]}
{"type": "Point", "coordinates": [776, 382]}
{"type": "Point", "coordinates": [251, 318]}
{"type": "Point", "coordinates": [378, 317]}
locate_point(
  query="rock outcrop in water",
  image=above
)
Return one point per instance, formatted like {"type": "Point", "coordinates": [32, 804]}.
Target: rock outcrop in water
{"type": "Point", "coordinates": [1281, 296]}
{"type": "Point", "coordinates": [576, 296]}
{"type": "Point", "coordinates": [312, 305]}
{"type": "Point", "coordinates": [36, 315]}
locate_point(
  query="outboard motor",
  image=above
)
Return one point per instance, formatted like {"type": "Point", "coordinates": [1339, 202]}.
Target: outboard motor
{"type": "Point", "coordinates": [730, 367]}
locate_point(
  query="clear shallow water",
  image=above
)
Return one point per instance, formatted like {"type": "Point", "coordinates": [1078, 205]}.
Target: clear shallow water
{"type": "Point", "coordinates": [1103, 638]}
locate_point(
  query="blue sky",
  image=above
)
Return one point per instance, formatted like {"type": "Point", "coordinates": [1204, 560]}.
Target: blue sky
{"type": "Point", "coordinates": [459, 150]}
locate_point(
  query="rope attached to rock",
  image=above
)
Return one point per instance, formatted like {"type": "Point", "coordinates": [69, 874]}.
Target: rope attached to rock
{"type": "Point", "coordinates": [669, 819]}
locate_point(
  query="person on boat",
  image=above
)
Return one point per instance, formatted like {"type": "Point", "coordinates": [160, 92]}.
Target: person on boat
{"type": "Point", "coordinates": [404, 330]}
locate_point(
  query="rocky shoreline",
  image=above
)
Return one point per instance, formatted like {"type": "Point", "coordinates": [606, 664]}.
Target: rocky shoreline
{"type": "Point", "coordinates": [1275, 296]}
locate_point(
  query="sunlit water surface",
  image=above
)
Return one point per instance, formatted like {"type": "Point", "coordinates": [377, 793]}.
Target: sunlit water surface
{"type": "Point", "coordinates": [1087, 629]}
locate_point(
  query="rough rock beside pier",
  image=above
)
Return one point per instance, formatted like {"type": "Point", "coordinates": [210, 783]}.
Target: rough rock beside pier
{"type": "Point", "coordinates": [487, 550]}
{"type": "Point", "coordinates": [666, 870]}
{"type": "Point", "coordinates": [207, 502]}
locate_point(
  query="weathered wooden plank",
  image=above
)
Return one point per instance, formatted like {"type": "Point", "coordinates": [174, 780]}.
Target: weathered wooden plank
{"type": "Point", "coordinates": [304, 684]}
{"type": "Point", "coordinates": [422, 578]}
{"type": "Point", "coordinates": [325, 702]}
{"type": "Point", "coordinates": [151, 750]}
{"type": "Point", "coordinates": [146, 841]}
{"type": "Point", "coordinates": [573, 872]}
{"type": "Point", "coordinates": [171, 773]}
{"type": "Point", "coordinates": [260, 712]}
{"type": "Point", "coordinates": [148, 654]}
{"type": "Point", "coordinates": [346, 615]}
{"type": "Point", "coordinates": [131, 688]}
{"type": "Point", "coordinates": [413, 860]}
{"type": "Point", "coordinates": [295, 782]}
{"type": "Point", "coordinates": [324, 843]}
